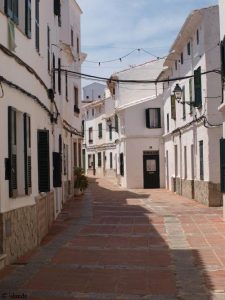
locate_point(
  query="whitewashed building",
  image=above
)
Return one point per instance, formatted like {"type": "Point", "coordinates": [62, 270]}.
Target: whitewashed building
{"type": "Point", "coordinates": [93, 91]}
{"type": "Point", "coordinates": [99, 144]}
{"type": "Point", "coordinates": [192, 123]}
{"type": "Point", "coordinates": [39, 117]}
{"type": "Point", "coordinates": [139, 107]}
{"type": "Point", "coordinates": [222, 105]}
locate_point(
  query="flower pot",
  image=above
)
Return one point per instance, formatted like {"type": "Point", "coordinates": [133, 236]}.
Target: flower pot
{"type": "Point", "coordinates": [78, 192]}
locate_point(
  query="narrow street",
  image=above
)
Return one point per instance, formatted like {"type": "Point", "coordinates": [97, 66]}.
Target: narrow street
{"type": "Point", "coordinates": [125, 244]}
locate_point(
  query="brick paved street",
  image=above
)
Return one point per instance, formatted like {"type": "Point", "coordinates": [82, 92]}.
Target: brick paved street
{"type": "Point", "coordinates": [125, 244]}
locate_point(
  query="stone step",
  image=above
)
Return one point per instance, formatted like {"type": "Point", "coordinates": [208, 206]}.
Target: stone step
{"type": "Point", "coordinates": [2, 260]}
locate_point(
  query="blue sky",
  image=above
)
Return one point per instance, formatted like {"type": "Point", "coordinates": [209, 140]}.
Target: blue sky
{"type": "Point", "coordinates": [111, 29]}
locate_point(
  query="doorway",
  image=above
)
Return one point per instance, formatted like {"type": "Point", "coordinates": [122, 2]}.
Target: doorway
{"type": "Point", "coordinates": [151, 169]}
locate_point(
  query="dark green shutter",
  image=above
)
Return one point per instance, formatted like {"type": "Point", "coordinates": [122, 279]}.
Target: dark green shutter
{"type": "Point", "coordinates": [198, 88]}
{"type": "Point", "coordinates": [27, 154]}
{"type": "Point", "coordinates": [99, 159]}
{"type": "Point", "coordinates": [59, 76]}
{"type": "Point", "coordinates": [111, 160]}
{"type": "Point", "coordinates": [57, 176]}
{"type": "Point", "coordinates": [57, 7]}
{"type": "Point", "coordinates": [222, 165]}
{"type": "Point", "coordinates": [183, 101]}
{"type": "Point", "coordinates": [100, 130]}
{"type": "Point", "coordinates": [15, 11]}
{"type": "Point", "coordinates": [222, 56]}
{"type": "Point", "coordinates": [37, 29]}
{"type": "Point", "coordinates": [121, 164]}
{"type": "Point", "coordinates": [9, 8]}
{"type": "Point", "coordinates": [116, 124]}
{"type": "Point", "coordinates": [190, 95]}
{"type": "Point", "coordinates": [43, 161]}
{"type": "Point", "coordinates": [28, 18]}
{"type": "Point", "coordinates": [110, 133]}
{"type": "Point", "coordinates": [147, 118]}
{"type": "Point", "coordinates": [173, 107]}
{"type": "Point", "coordinates": [159, 117]}
{"type": "Point", "coordinates": [12, 148]}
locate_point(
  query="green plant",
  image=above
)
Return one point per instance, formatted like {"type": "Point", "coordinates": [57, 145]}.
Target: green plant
{"type": "Point", "coordinates": [81, 181]}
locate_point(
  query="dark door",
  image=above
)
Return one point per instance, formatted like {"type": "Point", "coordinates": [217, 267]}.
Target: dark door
{"type": "Point", "coordinates": [94, 170]}
{"type": "Point", "coordinates": [151, 171]}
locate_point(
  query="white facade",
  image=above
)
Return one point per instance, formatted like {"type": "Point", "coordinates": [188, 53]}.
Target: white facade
{"type": "Point", "coordinates": [191, 143]}
{"type": "Point", "coordinates": [138, 145]}
{"type": "Point", "coordinates": [44, 36]}
{"type": "Point", "coordinates": [99, 147]}
{"type": "Point", "coordinates": [93, 91]}
{"type": "Point", "coordinates": [222, 106]}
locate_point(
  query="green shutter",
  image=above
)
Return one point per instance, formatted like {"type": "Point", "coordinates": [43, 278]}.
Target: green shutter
{"type": "Point", "coordinates": [12, 150]}
{"type": "Point", "coordinates": [27, 154]}
{"type": "Point", "coordinates": [173, 107]}
{"type": "Point", "coordinates": [183, 101]}
{"type": "Point", "coordinates": [222, 165]}
{"type": "Point", "coordinates": [28, 18]}
{"type": "Point", "coordinates": [222, 56]}
{"type": "Point", "coordinates": [190, 95]}
{"type": "Point", "coordinates": [15, 11]}
{"type": "Point", "coordinates": [116, 123]}
{"type": "Point", "coordinates": [57, 169]}
{"type": "Point", "coordinates": [121, 164]}
{"type": "Point", "coordinates": [147, 118]}
{"type": "Point", "coordinates": [198, 88]}
{"type": "Point", "coordinates": [43, 161]}
{"type": "Point", "coordinates": [9, 8]}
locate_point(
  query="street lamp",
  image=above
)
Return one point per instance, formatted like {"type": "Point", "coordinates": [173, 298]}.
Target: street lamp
{"type": "Point", "coordinates": [177, 92]}
{"type": "Point", "coordinates": [109, 123]}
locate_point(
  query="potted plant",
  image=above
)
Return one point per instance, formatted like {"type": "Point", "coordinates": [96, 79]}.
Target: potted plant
{"type": "Point", "coordinates": [80, 181]}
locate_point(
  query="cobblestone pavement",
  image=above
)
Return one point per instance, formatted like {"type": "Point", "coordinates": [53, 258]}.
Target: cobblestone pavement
{"type": "Point", "coordinates": [125, 244]}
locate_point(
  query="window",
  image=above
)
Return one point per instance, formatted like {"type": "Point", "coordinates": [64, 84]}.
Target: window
{"type": "Point", "coordinates": [100, 130]}
{"type": "Point", "coordinates": [182, 58]}
{"type": "Point", "coordinates": [121, 164]}
{"type": "Point", "coordinates": [168, 122]}
{"type": "Point", "coordinates": [90, 135]}
{"type": "Point", "coordinates": [57, 170]}
{"type": "Point", "coordinates": [43, 161]}
{"type": "Point", "coordinates": [90, 161]}
{"type": "Point", "coordinates": [75, 154]}
{"type": "Point", "coordinates": [99, 159]}
{"type": "Point", "coordinates": [176, 160]}
{"type": "Point", "coordinates": [82, 127]}
{"type": "Point", "coordinates": [197, 36]}
{"type": "Point", "coordinates": [222, 57]}
{"type": "Point", "coordinates": [48, 48]}
{"type": "Point", "coordinates": [173, 107]}
{"type": "Point", "coordinates": [222, 165]}
{"type": "Point", "coordinates": [183, 103]}
{"type": "Point", "coordinates": [37, 31]}
{"type": "Point", "coordinates": [66, 86]}
{"type": "Point", "coordinates": [53, 71]}
{"type": "Point", "coordinates": [198, 88]}
{"type": "Point", "coordinates": [116, 124]}
{"type": "Point", "coordinates": [65, 159]}
{"type": "Point", "coordinates": [19, 160]}
{"type": "Point", "coordinates": [59, 76]}
{"type": "Point", "coordinates": [57, 10]}
{"type": "Point", "coordinates": [176, 65]}
{"type": "Point", "coordinates": [71, 37]}
{"type": "Point", "coordinates": [110, 133]}
{"type": "Point", "coordinates": [76, 101]}
{"type": "Point", "coordinates": [12, 10]}
{"type": "Point", "coordinates": [153, 118]}
{"type": "Point", "coordinates": [185, 162]}
{"type": "Point", "coordinates": [201, 162]}
{"type": "Point", "coordinates": [28, 18]}
{"type": "Point", "coordinates": [93, 112]}
{"type": "Point", "coordinates": [78, 45]}
{"type": "Point", "coordinates": [189, 48]}
{"type": "Point", "coordinates": [110, 160]}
